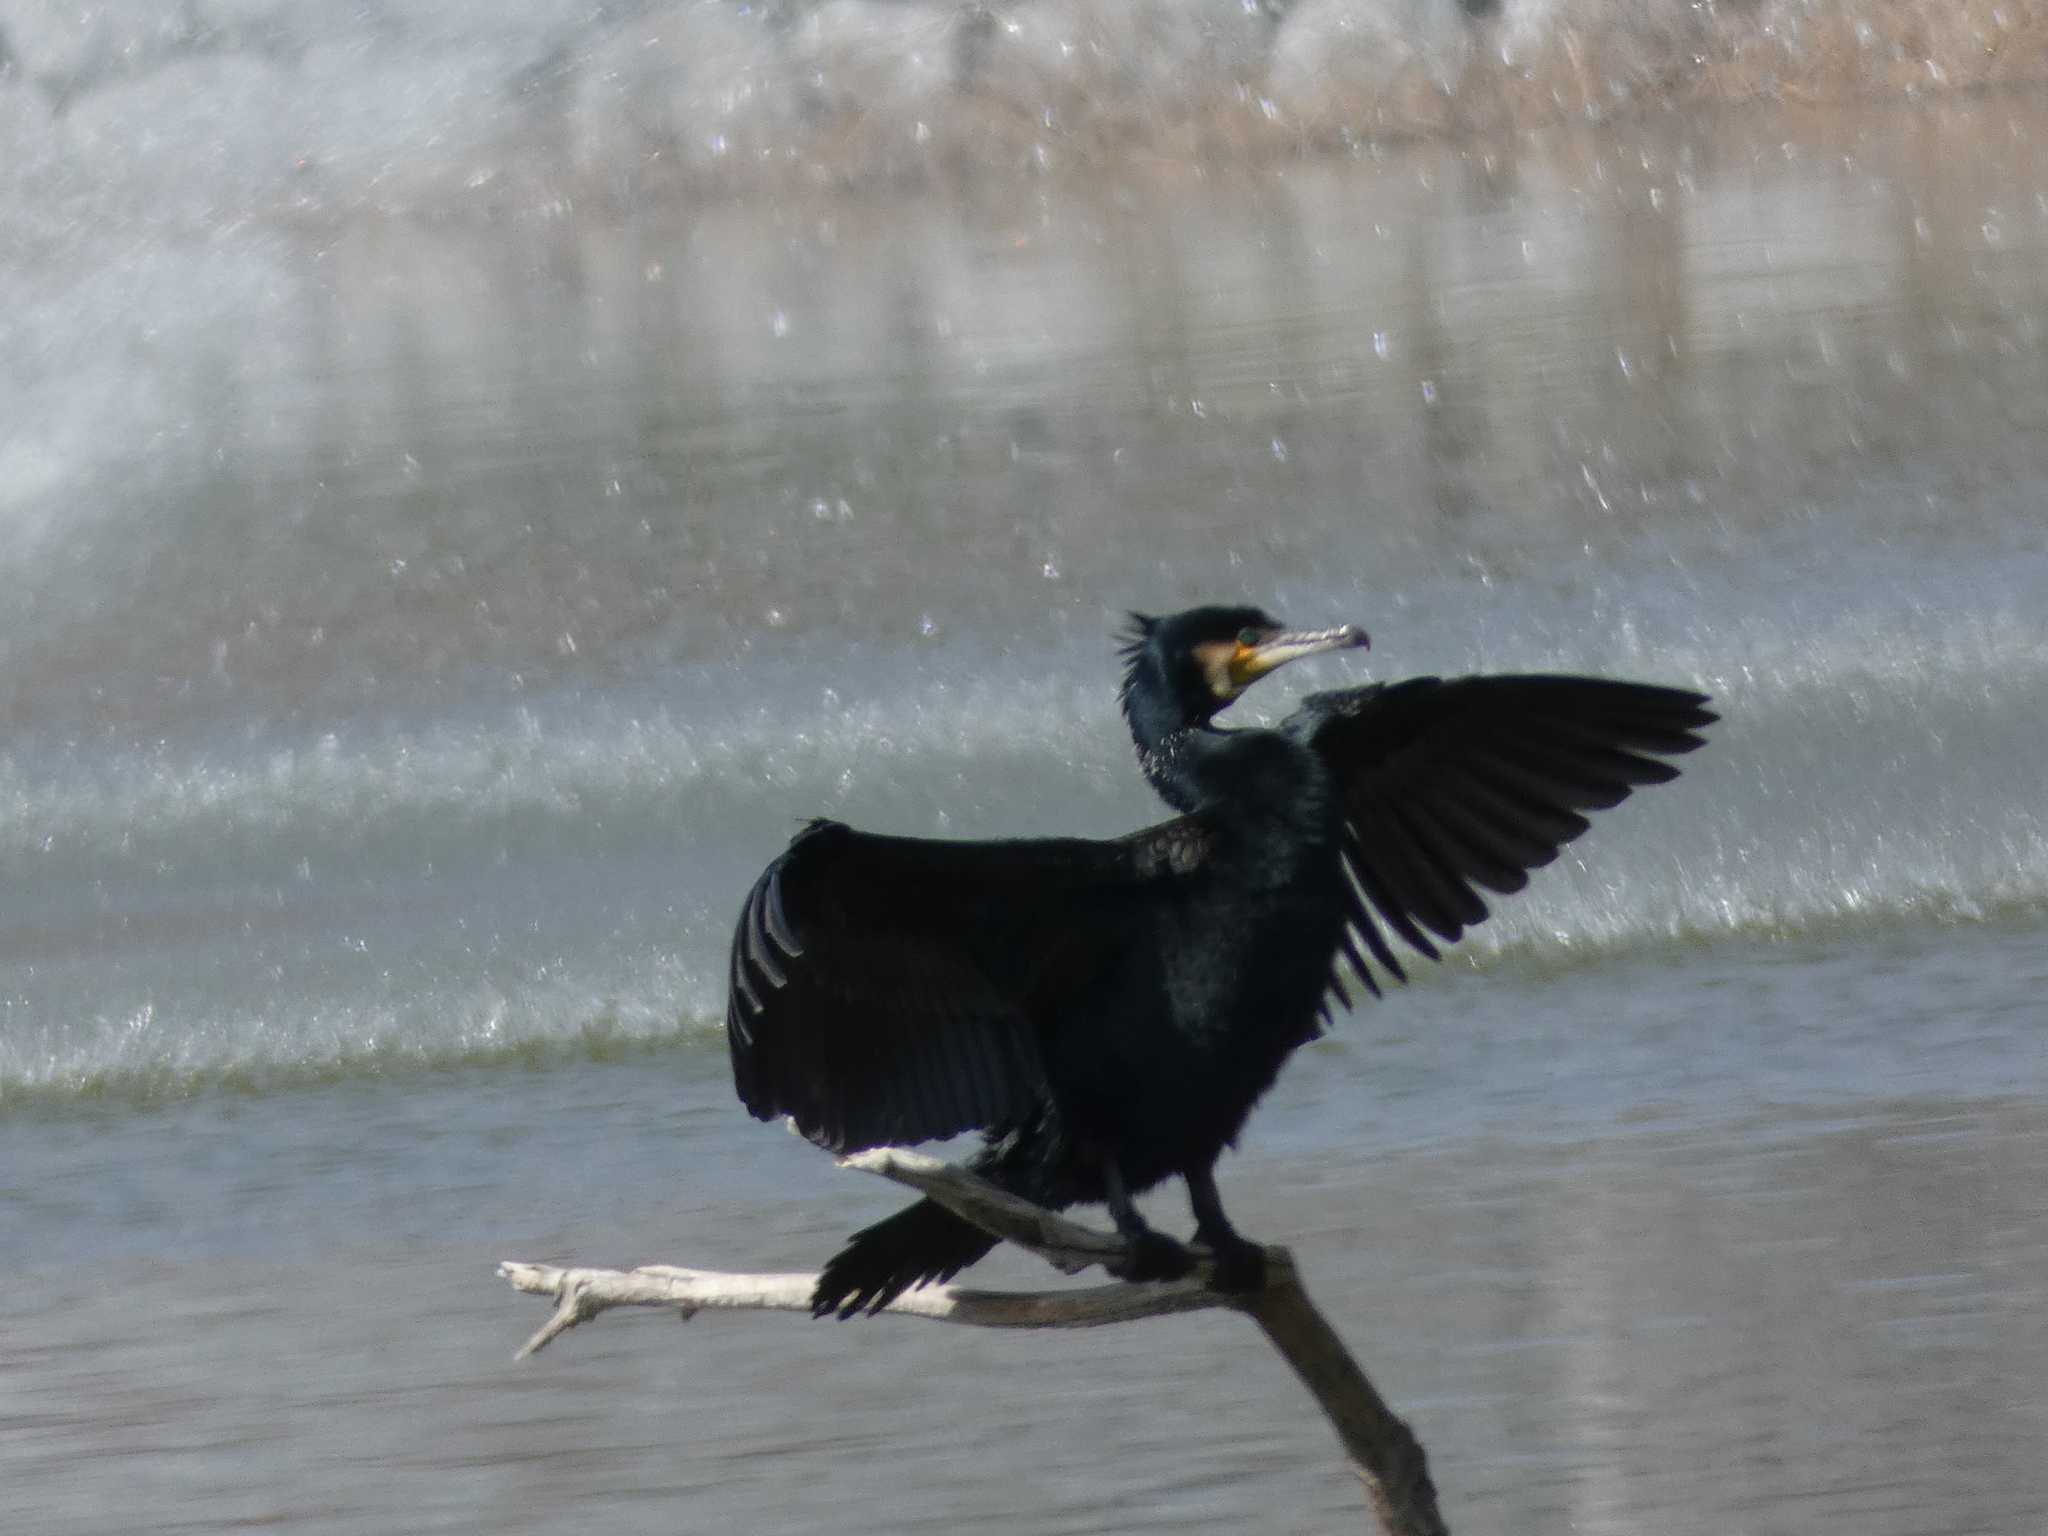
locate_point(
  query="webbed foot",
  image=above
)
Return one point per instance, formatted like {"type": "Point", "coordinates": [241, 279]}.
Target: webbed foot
{"type": "Point", "coordinates": [1240, 1265]}
{"type": "Point", "coordinates": [1150, 1255]}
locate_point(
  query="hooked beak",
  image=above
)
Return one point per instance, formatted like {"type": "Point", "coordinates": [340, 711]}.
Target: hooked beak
{"type": "Point", "coordinates": [1249, 663]}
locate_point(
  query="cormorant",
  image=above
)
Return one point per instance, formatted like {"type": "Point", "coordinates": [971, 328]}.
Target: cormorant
{"type": "Point", "coordinates": [1108, 1012]}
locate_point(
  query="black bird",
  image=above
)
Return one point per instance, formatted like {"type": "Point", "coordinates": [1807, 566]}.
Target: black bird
{"type": "Point", "coordinates": [1107, 1013]}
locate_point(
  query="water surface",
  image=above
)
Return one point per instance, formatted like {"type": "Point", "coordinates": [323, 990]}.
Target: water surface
{"type": "Point", "coordinates": [425, 628]}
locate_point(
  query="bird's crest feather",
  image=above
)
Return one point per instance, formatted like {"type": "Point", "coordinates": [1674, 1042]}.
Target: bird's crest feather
{"type": "Point", "coordinates": [1137, 633]}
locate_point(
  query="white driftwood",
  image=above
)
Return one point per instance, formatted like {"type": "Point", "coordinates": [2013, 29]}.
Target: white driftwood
{"type": "Point", "coordinates": [583, 1293]}
{"type": "Point", "coordinates": [1383, 1451]}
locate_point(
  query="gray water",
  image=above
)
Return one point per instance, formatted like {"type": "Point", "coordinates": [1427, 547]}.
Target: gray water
{"type": "Point", "coordinates": [424, 627]}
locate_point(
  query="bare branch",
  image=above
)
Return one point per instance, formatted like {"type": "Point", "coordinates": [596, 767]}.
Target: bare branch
{"type": "Point", "coordinates": [1066, 1245]}
{"type": "Point", "coordinates": [583, 1293]}
{"type": "Point", "coordinates": [1383, 1451]}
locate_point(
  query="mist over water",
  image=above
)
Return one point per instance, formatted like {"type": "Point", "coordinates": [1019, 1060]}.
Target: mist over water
{"type": "Point", "coordinates": [472, 482]}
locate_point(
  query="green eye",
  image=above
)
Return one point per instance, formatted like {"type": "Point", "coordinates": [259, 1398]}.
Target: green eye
{"type": "Point", "coordinates": [1247, 636]}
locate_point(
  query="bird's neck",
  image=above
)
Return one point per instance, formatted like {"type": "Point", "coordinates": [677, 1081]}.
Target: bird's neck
{"type": "Point", "coordinates": [1172, 740]}
{"type": "Point", "coordinates": [1175, 762]}
{"type": "Point", "coordinates": [1254, 779]}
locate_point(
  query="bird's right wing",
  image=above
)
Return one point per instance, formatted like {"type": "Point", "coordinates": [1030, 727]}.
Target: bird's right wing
{"type": "Point", "coordinates": [885, 990]}
{"type": "Point", "coordinates": [1451, 787]}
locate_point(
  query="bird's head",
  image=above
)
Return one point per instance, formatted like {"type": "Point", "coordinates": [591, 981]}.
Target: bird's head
{"type": "Point", "coordinates": [1201, 659]}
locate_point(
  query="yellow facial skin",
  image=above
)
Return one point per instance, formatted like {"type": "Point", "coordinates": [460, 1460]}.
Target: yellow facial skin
{"type": "Point", "coordinates": [1231, 666]}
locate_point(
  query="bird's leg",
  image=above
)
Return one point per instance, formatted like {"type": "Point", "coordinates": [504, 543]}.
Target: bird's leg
{"type": "Point", "coordinates": [1240, 1263]}
{"type": "Point", "coordinates": [1150, 1255]}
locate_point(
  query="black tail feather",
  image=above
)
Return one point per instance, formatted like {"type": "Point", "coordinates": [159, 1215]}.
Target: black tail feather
{"type": "Point", "coordinates": [919, 1245]}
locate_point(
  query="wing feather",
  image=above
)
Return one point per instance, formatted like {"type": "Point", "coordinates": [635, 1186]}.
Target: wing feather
{"type": "Point", "coordinates": [1466, 845]}
{"type": "Point", "coordinates": [1437, 859]}
{"type": "Point", "coordinates": [1489, 824]}
{"type": "Point", "coordinates": [760, 946]}
{"type": "Point", "coordinates": [1360, 924]}
{"type": "Point", "coordinates": [1374, 879]}
{"type": "Point", "coordinates": [1450, 788]}
{"type": "Point", "coordinates": [888, 990]}
{"type": "Point", "coordinates": [1348, 943]}
{"type": "Point", "coordinates": [1410, 875]}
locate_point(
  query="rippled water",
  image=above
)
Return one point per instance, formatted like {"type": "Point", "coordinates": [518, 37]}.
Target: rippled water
{"type": "Point", "coordinates": [425, 626]}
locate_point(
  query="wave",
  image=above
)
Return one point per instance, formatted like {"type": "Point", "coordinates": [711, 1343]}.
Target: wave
{"type": "Point", "coordinates": [126, 1064]}
{"type": "Point", "coordinates": [150, 1080]}
{"type": "Point", "coordinates": [560, 886]}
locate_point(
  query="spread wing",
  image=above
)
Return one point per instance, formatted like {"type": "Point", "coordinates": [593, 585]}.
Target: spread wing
{"type": "Point", "coordinates": [1451, 788]}
{"type": "Point", "coordinates": [886, 990]}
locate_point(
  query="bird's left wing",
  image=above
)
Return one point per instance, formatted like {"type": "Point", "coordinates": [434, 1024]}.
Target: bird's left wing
{"type": "Point", "coordinates": [1451, 787]}
{"type": "Point", "coordinates": [886, 990]}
